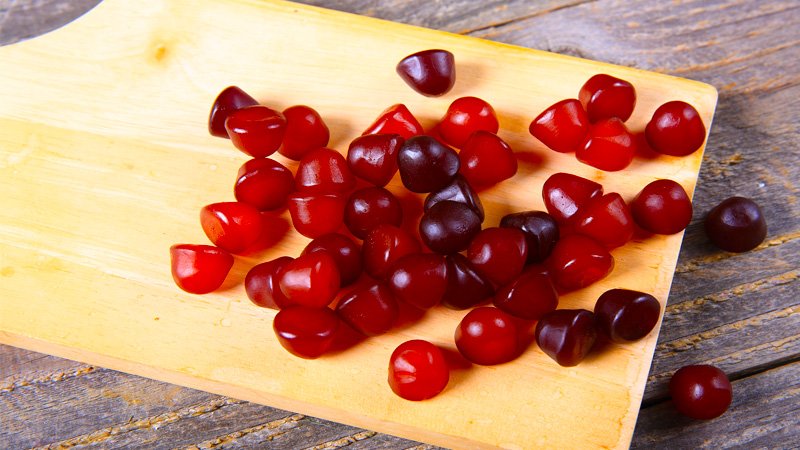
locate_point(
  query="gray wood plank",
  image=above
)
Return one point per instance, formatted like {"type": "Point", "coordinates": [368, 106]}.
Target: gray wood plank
{"type": "Point", "coordinates": [93, 399]}
{"type": "Point", "coordinates": [719, 271]}
{"type": "Point", "coordinates": [210, 421]}
{"type": "Point", "coordinates": [698, 36]}
{"type": "Point", "coordinates": [23, 19]}
{"type": "Point", "coordinates": [21, 366]}
{"type": "Point", "coordinates": [194, 420]}
{"type": "Point", "coordinates": [386, 442]}
{"type": "Point", "coordinates": [763, 414]}
{"type": "Point", "coordinates": [305, 432]}
{"type": "Point", "coordinates": [457, 16]}
{"type": "Point", "coordinates": [731, 301]}
{"type": "Point", "coordinates": [260, 436]}
{"type": "Point", "coordinates": [737, 348]}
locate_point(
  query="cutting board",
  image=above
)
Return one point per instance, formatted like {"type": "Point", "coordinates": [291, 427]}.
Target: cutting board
{"type": "Point", "coordinates": [105, 161]}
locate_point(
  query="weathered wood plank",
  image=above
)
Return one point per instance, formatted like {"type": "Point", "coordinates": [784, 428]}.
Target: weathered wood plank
{"type": "Point", "coordinates": [695, 306]}
{"type": "Point", "coordinates": [28, 18]}
{"type": "Point", "coordinates": [297, 431]}
{"type": "Point", "coordinates": [386, 442]}
{"type": "Point", "coordinates": [314, 432]}
{"type": "Point", "coordinates": [260, 436]}
{"type": "Point", "coordinates": [21, 366]}
{"type": "Point", "coordinates": [702, 275]}
{"type": "Point", "coordinates": [457, 16]}
{"type": "Point", "coordinates": [52, 411]}
{"type": "Point", "coordinates": [752, 160]}
{"type": "Point", "coordinates": [729, 307]}
{"type": "Point", "coordinates": [683, 38]}
{"type": "Point", "coordinates": [199, 422]}
{"type": "Point", "coordinates": [737, 348]}
{"type": "Point", "coordinates": [196, 422]}
{"type": "Point", "coordinates": [763, 414]}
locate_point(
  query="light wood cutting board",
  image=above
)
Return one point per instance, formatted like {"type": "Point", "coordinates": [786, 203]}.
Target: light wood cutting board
{"type": "Point", "coordinates": [105, 162]}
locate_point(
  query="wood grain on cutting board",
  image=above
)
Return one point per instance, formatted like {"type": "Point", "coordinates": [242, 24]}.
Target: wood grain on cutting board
{"type": "Point", "coordinates": [106, 161]}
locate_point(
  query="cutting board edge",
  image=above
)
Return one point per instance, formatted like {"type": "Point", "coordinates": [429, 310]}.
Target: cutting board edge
{"type": "Point", "coordinates": [87, 16]}
{"type": "Point", "coordinates": [628, 422]}
{"type": "Point", "coordinates": [238, 392]}
{"type": "Point", "coordinates": [512, 47]}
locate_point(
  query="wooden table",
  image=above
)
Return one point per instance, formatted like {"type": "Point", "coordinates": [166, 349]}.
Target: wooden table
{"type": "Point", "coordinates": [739, 312]}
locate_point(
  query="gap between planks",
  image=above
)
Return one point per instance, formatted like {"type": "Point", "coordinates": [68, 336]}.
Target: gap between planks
{"type": "Point", "coordinates": [763, 414]}
{"type": "Point", "coordinates": [280, 425]}
{"type": "Point", "coordinates": [275, 429]}
{"type": "Point", "coordinates": [698, 263]}
{"type": "Point", "coordinates": [658, 383]}
{"type": "Point", "coordinates": [48, 378]}
{"type": "Point", "coordinates": [732, 293]}
{"type": "Point", "coordinates": [733, 377]}
{"type": "Point", "coordinates": [687, 342]}
{"type": "Point", "coordinates": [344, 441]}
{"type": "Point", "coordinates": [682, 71]}
{"type": "Point", "coordinates": [488, 26]}
{"type": "Point", "coordinates": [98, 436]}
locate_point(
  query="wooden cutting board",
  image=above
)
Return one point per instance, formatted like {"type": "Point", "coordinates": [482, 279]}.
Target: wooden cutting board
{"type": "Point", "coordinates": [105, 162]}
